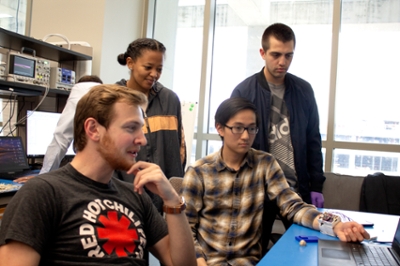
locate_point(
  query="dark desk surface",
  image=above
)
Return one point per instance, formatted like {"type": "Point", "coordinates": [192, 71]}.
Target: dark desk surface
{"type": "Point", "coordinates": [287, 250]}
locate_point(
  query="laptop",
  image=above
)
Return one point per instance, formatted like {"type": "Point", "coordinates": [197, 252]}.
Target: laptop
{"type": "Point", "coordinates": [333, 253]}
{"type": "Point", "coordinates": [13, 161]}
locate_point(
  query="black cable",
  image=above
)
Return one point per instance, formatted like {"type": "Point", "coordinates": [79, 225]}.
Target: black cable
{"type": "Point", "coordinates": [9, 119]}
{"type": "Point", "coordinates": [20, 109]}
{"type": "Point", "coordinates": [12, 108]}
{"type": "Point", "coordinates": [15, 128]}
{"type": "Point", "coordinates": [18, 115]}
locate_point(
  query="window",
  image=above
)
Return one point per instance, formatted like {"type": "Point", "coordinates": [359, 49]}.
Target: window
{"type": "Point", "coordinates": [362, 162]}
{"type": "Point", "coordinates": [360, 133]}
{"type": "Point", "coordinates": [13, 15]}
{"type": "Point", "coordinates": [366, 108]}
{"type": "Point", "coordinates": [180, 28]}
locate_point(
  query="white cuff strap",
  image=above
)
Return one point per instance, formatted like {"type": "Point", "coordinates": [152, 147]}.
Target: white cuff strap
{"type": "Point", "coordinates": [327, 222]}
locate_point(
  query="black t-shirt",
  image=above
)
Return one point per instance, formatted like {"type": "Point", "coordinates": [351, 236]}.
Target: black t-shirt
{"type": "Point", "coordinates": [70, 219]}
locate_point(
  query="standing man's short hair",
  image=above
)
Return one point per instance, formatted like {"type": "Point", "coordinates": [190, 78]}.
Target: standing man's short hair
{"type": "Point", "coordinates": [98, 103]}
{"type": "Point", "coordinates": [90, 78]}
{"type": "Point", "coordinates": [281, 32]}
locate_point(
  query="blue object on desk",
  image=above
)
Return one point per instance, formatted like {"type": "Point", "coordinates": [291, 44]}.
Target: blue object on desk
{"type": "Point", "coordinates": [307, 238]}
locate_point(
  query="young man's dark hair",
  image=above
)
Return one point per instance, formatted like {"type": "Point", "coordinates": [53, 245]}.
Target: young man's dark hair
{"type": "Point", "coordinates": [231, 107]}
{"type": "Point", "coordinates": [281, 32]}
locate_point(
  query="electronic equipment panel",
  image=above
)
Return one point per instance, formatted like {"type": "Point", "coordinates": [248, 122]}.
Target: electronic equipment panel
{"type": "Point", "coordinates": [28, 69]}
{"type": "Point", "coordinates": [40, 127]}
{"type": "Point", "coordinates": [62, 78]}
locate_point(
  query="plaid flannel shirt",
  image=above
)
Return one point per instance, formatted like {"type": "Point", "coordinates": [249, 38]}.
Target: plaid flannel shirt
{"type": "Point", "coordinates": [225, 207]}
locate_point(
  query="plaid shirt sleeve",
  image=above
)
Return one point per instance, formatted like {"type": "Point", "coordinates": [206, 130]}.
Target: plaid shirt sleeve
{"type": "Point", "coordinates": [290, 203]}
{"type": "Point", "coordinates": [192, 188]}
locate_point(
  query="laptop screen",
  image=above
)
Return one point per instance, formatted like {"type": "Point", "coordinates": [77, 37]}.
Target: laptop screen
{"type": "Point", "coordinates": [12, 155]}
{"type": "Point", "coordinates": [396, 240]}
{"type": "Point", "coordinates": [39, 132]}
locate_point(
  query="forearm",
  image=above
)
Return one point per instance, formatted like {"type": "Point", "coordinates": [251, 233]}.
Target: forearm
{"type": "Point", "coordinates": [316, 223]}
{"type": "Point", "coordinates": [17, 253]}
{"type": "Point", "coordinates": [181, 241]}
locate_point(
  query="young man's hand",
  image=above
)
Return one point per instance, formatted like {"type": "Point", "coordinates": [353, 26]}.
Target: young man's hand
{"type": "Point", "coordinates": [152, 177]}
{"type": "Point", "coordinates": [23, 179]}
{"type": "Point", "coordinates": [350, 232]}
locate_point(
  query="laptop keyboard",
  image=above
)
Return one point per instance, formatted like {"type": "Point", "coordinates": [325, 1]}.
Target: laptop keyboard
{"type": "Point", "coordinates": [371, 255]}
{"type": "Point", "coordinates": [11, 176]}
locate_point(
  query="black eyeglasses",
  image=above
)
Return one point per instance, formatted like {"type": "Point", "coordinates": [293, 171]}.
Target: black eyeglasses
{"type": "Point", "coordinates": [239, 129]}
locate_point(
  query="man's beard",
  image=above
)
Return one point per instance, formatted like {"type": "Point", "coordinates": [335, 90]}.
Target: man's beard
{"type": "Point", "coordinates": [109, 153]}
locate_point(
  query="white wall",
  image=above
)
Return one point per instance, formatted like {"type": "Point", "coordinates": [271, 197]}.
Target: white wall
{"type": "Point", "coordinates": [123, 23]}
{"type": "Point", "coordinates": [165, 31]}
{"type": "Point", "coordinates": [107, 25]}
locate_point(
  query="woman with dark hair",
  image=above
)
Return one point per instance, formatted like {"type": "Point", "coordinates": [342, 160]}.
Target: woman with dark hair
{"type": "Point", "coordinates": [165, 147]}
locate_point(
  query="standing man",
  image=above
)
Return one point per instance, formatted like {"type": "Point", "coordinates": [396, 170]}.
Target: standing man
{"type": "Point", "coordinates": [289, 120]}
{"type": "Point", "coordinates": [80, 215]}
{"type": "Point", "coordinates": [226, 190]}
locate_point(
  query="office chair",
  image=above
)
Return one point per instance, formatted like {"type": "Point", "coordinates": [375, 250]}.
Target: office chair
{"type": "Point", "coordinates": [380, 194]}
{"type": "Point", "coordinates": [176, 183]}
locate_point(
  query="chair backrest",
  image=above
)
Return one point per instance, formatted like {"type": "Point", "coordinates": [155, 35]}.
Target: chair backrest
{"type": "Point", "coordinates": [380, 194]}
{"type": "Point", "coordinates": [342, 191]}
{"type": "Point", "coordinates": [176, 182]}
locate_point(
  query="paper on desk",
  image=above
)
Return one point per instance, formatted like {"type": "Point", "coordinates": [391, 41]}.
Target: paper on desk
{"type": "Point", "coordinates": [383, 234]}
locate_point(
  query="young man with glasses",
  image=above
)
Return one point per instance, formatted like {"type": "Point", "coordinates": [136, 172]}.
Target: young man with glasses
{"type": "Point", "coordinates": [225, 193]}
